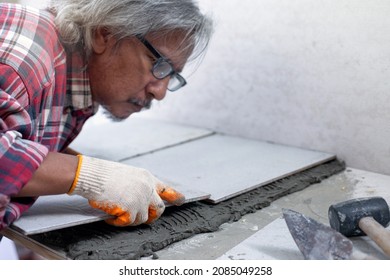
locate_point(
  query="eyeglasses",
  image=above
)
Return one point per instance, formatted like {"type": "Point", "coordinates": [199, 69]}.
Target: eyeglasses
{"type": "Point", "coordinates": [162, 68]}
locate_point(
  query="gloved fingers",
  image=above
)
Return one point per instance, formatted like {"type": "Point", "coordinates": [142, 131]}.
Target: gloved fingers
{"type": "Point", "coordinates": [119, 221]}
{"type": "Point", "coordinates": [170, 195]}
{"type": "Point", "coordinates": [140, 218]}
{"type": "Point", "coordinates": [121, 217]}
{"type": "Point", "coordinates": [155, 211]}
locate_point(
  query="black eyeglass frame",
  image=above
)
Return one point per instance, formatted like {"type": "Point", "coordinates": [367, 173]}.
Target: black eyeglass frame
{"type": "Point", "coordinates": [160, 58]}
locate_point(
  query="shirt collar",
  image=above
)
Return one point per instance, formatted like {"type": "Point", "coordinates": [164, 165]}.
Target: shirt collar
{"type": "Point", "coordinates": [78, 89]}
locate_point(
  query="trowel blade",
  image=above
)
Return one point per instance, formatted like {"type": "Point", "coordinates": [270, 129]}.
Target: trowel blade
{"type": "Point", "coordinates": [317, 241]}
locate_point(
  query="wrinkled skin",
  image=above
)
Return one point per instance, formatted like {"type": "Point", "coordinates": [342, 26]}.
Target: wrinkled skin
{"type": "Point", "coordinates": [120, 74]}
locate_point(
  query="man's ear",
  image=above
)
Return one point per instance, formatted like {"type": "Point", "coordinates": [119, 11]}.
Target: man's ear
{"type": "Point", "coordinates": [101, 40]}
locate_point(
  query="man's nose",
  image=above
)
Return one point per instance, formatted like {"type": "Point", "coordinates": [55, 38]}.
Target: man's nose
{"type": "Point", "coordinates": [158, 88]}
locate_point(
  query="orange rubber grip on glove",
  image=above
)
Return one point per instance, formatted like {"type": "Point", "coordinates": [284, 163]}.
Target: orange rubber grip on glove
{"type": "Point", "coordinates": [170, 195]}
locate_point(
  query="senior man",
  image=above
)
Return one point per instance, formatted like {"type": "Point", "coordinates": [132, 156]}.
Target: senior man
{"type": "Point", "coordinates": [57, 66]}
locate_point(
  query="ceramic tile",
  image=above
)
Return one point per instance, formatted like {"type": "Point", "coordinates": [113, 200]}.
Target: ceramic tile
{"type": "Point", "coordinates": [117, 141]}
{"type": "Point", "coordinates": [56, 212]}
{"type": "Point", "coordinates": [226, 166]}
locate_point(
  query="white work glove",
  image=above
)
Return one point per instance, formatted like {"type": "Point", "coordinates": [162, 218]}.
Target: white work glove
{"type": "Point", "coordinates": [133, 195]}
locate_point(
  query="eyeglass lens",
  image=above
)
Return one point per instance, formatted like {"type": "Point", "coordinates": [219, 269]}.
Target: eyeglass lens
{"type": "Point", "coordinates": [162, 69]}
{"type": "Point", "coordinates": [176, 82]}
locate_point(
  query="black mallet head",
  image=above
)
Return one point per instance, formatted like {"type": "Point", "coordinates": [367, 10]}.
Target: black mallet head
{"type": "Point", "coordinates": [344, 217]}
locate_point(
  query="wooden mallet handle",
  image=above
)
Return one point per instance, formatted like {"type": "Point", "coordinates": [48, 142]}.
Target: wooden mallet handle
{"type": "Point", "coordinates": [376, 232]}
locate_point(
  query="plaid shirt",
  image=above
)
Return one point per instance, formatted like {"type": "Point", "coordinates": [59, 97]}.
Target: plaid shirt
{"type": "Point", "coordinates": [44, 100]}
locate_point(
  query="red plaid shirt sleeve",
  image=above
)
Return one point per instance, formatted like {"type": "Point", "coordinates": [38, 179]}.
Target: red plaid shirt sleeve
{"type": "Point", "coordinates": [44, 100]}
{"type": "Point", "coordinates": [19, 157]}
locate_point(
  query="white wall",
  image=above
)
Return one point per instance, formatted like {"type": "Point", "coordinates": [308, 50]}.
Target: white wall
{"type": "Point", "coordinates": [35, 3]}
{"type": "Point", "coordinates": [313, 74]}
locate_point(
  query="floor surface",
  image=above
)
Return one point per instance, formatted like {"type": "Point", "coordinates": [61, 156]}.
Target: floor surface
{"type": "Point", "coordinates": [276, 242]}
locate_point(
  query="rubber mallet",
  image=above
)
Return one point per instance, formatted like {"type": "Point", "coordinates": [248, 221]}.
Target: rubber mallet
{"type": "Point", "coordinates": [363, 216]}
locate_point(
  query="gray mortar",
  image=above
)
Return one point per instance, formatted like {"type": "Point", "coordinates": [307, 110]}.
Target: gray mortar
{"type": "Point", "coordinates": [101, 241]}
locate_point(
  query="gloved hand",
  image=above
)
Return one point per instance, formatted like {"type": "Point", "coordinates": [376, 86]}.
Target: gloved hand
{"type": "Point", "coordinates": [133, 195]}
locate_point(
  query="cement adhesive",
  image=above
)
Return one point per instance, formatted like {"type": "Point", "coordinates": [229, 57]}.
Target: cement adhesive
{"type": "Point", "coordinates": [101, 241]}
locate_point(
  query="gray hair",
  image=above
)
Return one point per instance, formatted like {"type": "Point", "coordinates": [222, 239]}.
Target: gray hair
{"type": "Point", "coordinates": [77, 20]}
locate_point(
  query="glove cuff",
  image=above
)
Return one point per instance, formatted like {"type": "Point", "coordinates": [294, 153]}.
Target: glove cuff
{"type": "Point", "coordinates": [91, 175]}
{"type": "Point", "coordinates": [76, 177]}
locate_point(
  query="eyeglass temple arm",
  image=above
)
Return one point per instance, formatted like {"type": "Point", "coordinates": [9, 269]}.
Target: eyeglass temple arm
{"type": "Point", "coordinates": [149, 46]}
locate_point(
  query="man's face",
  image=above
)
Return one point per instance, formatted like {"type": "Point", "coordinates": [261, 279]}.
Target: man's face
{"type": "Point", "coordinates": [120, 74]}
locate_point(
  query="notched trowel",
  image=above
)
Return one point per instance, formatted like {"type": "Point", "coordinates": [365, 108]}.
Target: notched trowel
{"type": "Point", "coordinates": [317, 241]}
